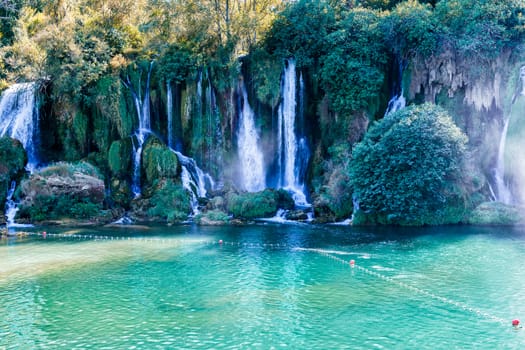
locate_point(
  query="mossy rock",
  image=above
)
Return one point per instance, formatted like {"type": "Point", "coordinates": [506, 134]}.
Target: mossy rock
{"type": "Point", "coordinates": [62, 190]}
{"type": "Point", "coordinates": [216, 203]}
{"type": "Point", "coordinates": [13, 159]}
{"type": "Point", "coordinates": [159, 161]}
{"type": "Point", "coordinates": [212, 218]}
{"type": "Point", "coordinates": [166, 202]}
{"type": "Point", "coordinates": [119, 158]}
{"type": "Point", "coordinates": [121, 193]}
{"type": "Point", "coordinates": [496, 213]}
{"type": "Point", "coordinates": [261, 204]}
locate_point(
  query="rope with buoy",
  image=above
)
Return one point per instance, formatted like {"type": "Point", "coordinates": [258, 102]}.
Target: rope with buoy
{"type": "Point", "coordinates": [480, 313]}
{"type": "Point", "coordinates": [327, 253]}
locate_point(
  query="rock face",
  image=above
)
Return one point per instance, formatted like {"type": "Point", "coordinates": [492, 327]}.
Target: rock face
{"type": "Point", "coordinates": [449, 71]}
{"type": "Point", "coordinates": [72, 190]}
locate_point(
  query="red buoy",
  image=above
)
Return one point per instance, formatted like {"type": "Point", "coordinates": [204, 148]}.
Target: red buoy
{"type": "Point", "coordinates": [515, 322]}
{"type": "Point", "coordinates": [44, 234]}
{"type": "Point", "coordinates": [352, 263]}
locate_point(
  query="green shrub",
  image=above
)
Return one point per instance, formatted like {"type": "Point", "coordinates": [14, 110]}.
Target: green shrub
{"type": "Point", "coordinates": [62, 190]}
{"type": "Point", "coordinates": [212, 217]}
{"type": "Point", "coordinates": [408, 168]}
{"type": "Point", "coordinates": [170, 202]}
{"type": "Point", "coordinates": [258, 204]}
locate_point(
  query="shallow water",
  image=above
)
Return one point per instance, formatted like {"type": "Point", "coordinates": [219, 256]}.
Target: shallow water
{"type": "Point", "coordinates": [266, 286]}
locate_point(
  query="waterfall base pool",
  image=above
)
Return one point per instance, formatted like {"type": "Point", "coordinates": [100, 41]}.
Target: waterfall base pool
{"type": "Point", "coordinates": [265, 286]}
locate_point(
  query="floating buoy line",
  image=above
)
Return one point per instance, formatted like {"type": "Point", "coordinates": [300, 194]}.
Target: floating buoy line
{"type": "Point", "coordinates": [327, 253]}
{"type": "Point", "coordinates": [478, 312]}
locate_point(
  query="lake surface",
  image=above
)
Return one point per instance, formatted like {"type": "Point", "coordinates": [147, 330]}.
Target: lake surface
{"type": "Point", "coordinates": [266, 286]}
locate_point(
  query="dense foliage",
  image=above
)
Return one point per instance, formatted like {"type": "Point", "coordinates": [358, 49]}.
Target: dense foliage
{"type": "Point", "coordinates": [407, 170]}
{"type": "Point", "coordinates": [93, 60]}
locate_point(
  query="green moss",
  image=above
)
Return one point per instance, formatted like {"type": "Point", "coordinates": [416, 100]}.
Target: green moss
{"type": "Point", "coordinates": [212, 217]}
{"type": "Point", "coordinates": [495, 213]}
{"type": "Point", "coordinates": [119, 158]}
{"type": "Point", "coordinates": [158, 161]}
{"type": "Point", "coordinates": [170, 202]}
{"type": "Point", "coordinates": [258, 204]}
{"type": "Point", "coordinates": [12, 161]}
{"type": "Point", "coordinates": [121, 193]}
{"type": "Point", "coordinates": [80, 129]}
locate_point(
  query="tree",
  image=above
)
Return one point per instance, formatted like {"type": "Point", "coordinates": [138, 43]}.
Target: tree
{"type": "Point", "coordinates": [408, 168]}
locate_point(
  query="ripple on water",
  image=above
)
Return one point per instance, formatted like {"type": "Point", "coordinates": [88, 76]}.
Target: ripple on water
{"type": "Point", "coordinates": [186, 294]}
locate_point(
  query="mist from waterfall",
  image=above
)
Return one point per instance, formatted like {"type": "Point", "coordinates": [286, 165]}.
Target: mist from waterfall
{"type": "Point", "coordinates": [292, 154]}
{"type": "Point", "coordinates": [513, 191]}
{"type": "Point", "coordinates": [251, 159]}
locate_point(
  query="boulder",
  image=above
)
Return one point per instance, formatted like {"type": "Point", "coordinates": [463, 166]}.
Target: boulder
{"type": "Point", "coordinates": [62, 190]}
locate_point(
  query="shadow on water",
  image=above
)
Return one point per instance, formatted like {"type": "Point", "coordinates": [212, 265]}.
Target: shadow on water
{"type": "Point", "coordinates": [290, 235]}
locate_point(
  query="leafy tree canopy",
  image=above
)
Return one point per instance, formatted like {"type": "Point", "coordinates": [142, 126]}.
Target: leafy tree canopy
{"type": "Point", "coordinates": [408, 167]}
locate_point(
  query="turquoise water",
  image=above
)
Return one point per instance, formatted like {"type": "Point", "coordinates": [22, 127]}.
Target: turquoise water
{"type": "Point", "coordinates": [266, 286]}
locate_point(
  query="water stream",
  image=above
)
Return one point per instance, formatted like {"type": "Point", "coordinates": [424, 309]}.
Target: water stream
{"type": "Point", "coordinates": [251, 160]}
{"type": "Point", "coordinates": [292, 153]}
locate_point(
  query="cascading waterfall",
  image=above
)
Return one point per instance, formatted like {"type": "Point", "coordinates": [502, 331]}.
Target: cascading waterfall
{"type": "Point", "coordinates": [19, 118]}
{"type": "Point", "coordinates": [169, 107]}
{"type": "Point", "coordinates": [292, 156]}
{"type": "Point", "coordinates": [11, 208]}
{"type": "Point", "coordinates": [396, 103]}
{"type": "Point", "coordinates": [398, 100]}
{"type": "Point", "coordinates": [253, 176]}
{"type": "Point", "coordinates": [142, 107]}
{"type": "Point", "coordinates": [194, 180]}
{"type": "Point", "coordinates": [503, 193]}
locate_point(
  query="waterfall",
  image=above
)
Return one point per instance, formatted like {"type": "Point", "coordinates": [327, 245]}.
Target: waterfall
{"type": "Point", "coordinates": [292, 155]}
{"type": "Point", "coordinates": [194, 179]}
{"type": "Point", "coordinates": [253, 177]}
{"type": "Point", "coordinates": [396, 103]}
{"type": "Point", "coordinates": [398, 100]}
{"type": "Point", "coordinates": [142, 108]}
{"type": "Point", "coordinates": [11, 208]}
{"type": "Point", "coordinates": [503, 193]}
{"type": "Point", "coordinates": [19, 119]}
{"type": "Point", "coordinates": [169, 107]}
